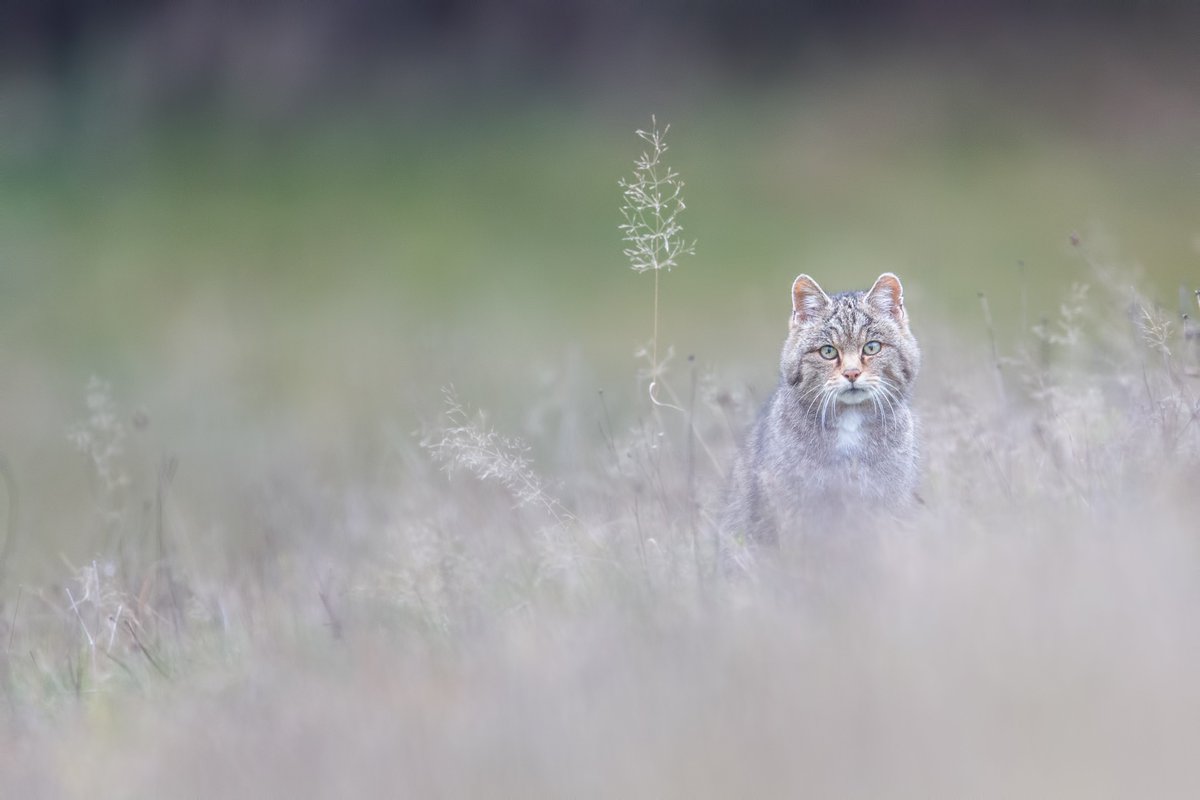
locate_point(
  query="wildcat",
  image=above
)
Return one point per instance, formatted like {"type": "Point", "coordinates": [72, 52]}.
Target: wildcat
{"type": "Point", "coordinates": [836, 443]}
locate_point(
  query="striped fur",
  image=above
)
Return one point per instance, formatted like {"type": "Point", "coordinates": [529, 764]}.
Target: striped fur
{"type": "Point", "coordinates": [836, 444]}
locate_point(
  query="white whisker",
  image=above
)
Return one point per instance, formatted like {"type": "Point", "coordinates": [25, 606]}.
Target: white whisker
{"type": "Point", "coordinates": [816, 395]}
{"type": "Point", "coordinates": [891, 397]}
{"type": "Point", "coordinates": [826, 403]}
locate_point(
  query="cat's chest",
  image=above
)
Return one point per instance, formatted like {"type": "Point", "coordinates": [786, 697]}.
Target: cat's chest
{"type": "Point", "coordinates": [849, 432]}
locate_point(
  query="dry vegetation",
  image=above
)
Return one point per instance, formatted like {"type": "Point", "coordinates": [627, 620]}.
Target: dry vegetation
{"type": "Point", "coordinates": [448, 620]}
{"type": "Point", "coordinates": [524, 596]}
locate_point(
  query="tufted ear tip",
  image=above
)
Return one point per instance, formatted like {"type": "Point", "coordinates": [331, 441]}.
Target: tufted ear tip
{"type": "Point", "coordinates": [808, 299]}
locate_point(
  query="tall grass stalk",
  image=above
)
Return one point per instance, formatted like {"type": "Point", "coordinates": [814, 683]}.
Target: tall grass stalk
{"type": "Point", "coordinates": [653, 203]}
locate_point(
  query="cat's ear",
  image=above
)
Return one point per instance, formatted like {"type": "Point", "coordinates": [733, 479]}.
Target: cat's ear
{"type": "Point", "coordinates": [887, 297]}
{"type": "Point", "coordinates": [807, 299]}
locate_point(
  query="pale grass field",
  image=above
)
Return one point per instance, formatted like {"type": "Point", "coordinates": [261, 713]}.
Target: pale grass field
{"type": "Point", "coordinates": [443, 616]}
{"type": "Point", "coordinates": [261, 556]}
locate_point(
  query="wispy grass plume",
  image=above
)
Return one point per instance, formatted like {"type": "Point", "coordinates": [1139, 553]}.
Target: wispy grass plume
{"type": "Point", "coordinates": [653, 203]}
{"type": "Point", "coordinates": [467, 441]}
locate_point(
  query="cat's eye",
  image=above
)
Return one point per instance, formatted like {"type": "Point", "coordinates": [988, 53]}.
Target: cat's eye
{"type": "Point", "coordinates": [828, 352]}
{"type": "Point", "coordinates": [871, 348]}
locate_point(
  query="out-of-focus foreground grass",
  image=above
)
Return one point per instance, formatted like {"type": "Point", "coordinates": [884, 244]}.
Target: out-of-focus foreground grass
{"type": "Point", "coordinates": [232, 549]}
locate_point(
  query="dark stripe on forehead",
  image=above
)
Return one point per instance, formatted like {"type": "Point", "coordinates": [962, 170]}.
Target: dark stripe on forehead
{"type": "Point", "coordinates": [846, 320]}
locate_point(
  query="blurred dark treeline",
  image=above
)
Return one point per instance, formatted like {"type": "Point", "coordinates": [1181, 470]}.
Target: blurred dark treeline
{"type": "Point", "coordinates": [81, 70]}
{"type": "Point", "coordinates": [190, 35]}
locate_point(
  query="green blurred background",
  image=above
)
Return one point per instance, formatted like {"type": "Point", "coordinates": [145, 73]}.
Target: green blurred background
{"type": "Point", "coordinates": [279, 230]}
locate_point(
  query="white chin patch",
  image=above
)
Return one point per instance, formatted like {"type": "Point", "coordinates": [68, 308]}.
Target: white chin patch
{"type": "Point", "coordinates": [853, 397]}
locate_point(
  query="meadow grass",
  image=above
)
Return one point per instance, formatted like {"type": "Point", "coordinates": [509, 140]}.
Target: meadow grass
{"type": "Point", "coordinates": [262, 554]}
{"type": "Point", "coordinates": [456, 621]}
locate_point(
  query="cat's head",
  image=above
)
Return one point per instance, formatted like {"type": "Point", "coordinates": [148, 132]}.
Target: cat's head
{"type": "Point", "coordinates": [850, 349]}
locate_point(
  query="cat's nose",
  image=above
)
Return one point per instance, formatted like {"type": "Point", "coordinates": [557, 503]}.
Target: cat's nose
{"type": "Point", "coordinates": [852, 374]}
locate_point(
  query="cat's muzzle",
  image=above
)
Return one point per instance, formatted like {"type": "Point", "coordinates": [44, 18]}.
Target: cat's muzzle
{"type": "Point", "coordinates": [853, 395]}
